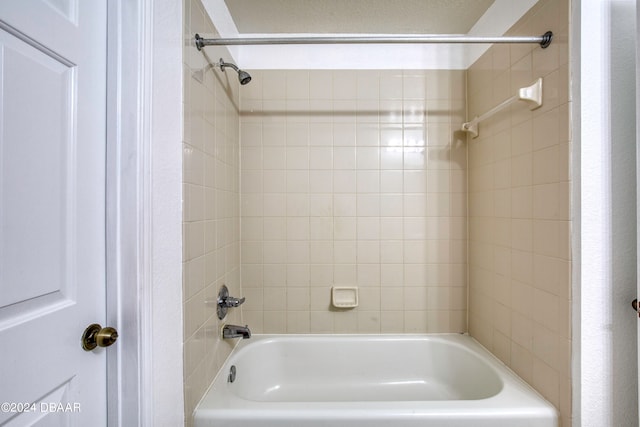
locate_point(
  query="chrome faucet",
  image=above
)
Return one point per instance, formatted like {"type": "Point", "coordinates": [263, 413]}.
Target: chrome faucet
{"type": "Point", "coordinates": [231, 301]}
{"type": "Point", "coordinates": [225, 302]}
{"type": "Point", "coordinates": [235, 331]}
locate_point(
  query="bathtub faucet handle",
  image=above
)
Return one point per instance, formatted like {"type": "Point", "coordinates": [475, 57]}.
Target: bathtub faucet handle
{"type": "Point", "coordinates": [225, 302]}
{"type": "Point", "coordinates": [233, 302]}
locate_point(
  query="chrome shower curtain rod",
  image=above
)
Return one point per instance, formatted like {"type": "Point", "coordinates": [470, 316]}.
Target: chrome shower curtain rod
{"type": "Point", "coordinates": [543, 40]}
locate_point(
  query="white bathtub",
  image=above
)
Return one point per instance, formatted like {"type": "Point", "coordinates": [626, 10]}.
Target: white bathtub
{"type": "Point", "coordinates": [369, 381]}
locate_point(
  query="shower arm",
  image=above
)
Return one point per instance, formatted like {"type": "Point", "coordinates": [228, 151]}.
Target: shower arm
{"type": "Point", "coordinates": [223, 64]}
{"type": "Point", "coordinates": [543, 40]}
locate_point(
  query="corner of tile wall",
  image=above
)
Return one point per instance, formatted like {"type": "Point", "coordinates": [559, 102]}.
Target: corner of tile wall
{"type": "Point", "coordinates": [211, 211]}
{"type": "Point", "coordinates": [519, 210]}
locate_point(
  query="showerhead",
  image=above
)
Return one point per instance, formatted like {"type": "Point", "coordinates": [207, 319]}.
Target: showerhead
{"type": "Point", "coordinates": [243, 76]}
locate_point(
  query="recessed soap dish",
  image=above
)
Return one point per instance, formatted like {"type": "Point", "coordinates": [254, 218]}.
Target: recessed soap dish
{"type": "Point", "coordinates": [344, 297]}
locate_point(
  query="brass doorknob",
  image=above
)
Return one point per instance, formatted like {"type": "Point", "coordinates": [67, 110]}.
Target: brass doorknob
{"type": "Point", "coordinates": [634, 304]}
{"type": "Point", "coordinates": [97, 336]}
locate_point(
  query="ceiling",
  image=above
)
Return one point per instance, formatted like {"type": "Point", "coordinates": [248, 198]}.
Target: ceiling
{"type": "Point", "coordinates": [356, 16]}
{"type": "Point", "coordinates": [282, 18]}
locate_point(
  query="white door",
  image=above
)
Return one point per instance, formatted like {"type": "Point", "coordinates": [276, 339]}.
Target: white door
{"type": "Point", "coordinates": [637, 74]}
{"type": "Point", "coordinates": [52, 211]}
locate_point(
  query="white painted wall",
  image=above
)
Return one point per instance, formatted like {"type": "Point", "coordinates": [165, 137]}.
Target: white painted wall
{"type": "Point", "coordinates": [605, 345]}
{"type": "Point", "coordinates": [145, 211]}
{"type": "Point", "coordinates": [165, 228]}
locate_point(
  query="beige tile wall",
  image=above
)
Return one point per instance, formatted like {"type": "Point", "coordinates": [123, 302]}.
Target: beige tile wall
{"type": "Point", "coordinates": [211, 218]}
{"type": "Point", "coordinates": [519, 212]}
{"type": "Point", "coordinates": [354, 178]}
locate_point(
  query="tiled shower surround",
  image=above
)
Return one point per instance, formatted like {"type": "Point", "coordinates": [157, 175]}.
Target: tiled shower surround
{"type": "Point", "coordinates": [519, 212]}
{"type": "Point", "coordinates": [306, 179]}
{"type": "Point", "coordinates": [353, 178]}
{"type": "Point", "coordinates": [211, 214]}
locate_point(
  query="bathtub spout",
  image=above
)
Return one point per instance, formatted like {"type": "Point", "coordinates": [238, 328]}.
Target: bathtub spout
{"type": "Point", "coordinates": [234, 331]}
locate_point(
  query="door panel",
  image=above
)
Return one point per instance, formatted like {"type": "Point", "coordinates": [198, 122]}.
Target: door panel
{"type": "Point", "coordinates": [52, 210]}
{"type": "Point", "coordinates": [35, 178]}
